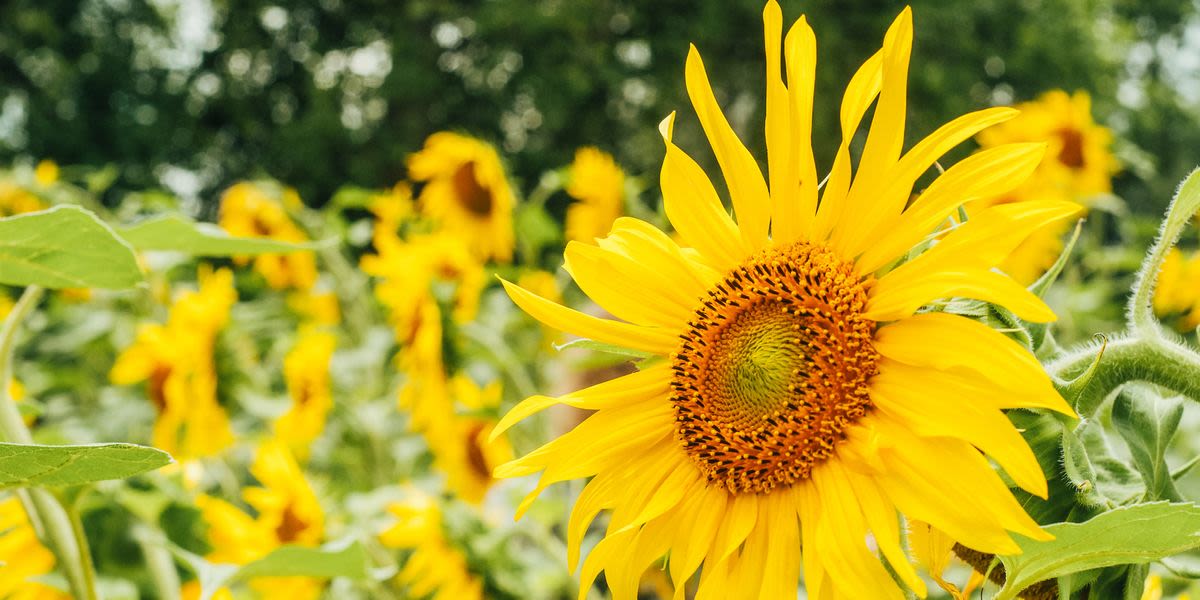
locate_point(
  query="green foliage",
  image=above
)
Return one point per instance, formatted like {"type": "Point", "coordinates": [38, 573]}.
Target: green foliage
{"type": "Point", "coordinates": [332, 560]}
{"type": "Point", "coordinates": [65, 246]}
{"type": "Point", "coordinates": [1128, 535]}
{"type": "Point", "coordinates": [24, 465]}
{"type": "Point", "coordinates": [1147, 424]}
{"type": "Point", "coordinates": [180, 234]}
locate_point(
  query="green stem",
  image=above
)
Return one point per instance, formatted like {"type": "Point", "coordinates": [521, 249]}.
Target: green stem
{"type": "Point", "coordinates": [1153, 359]}
{"type": "Point", "coordinates": [159, 562]}
{"type": "Point", "coordinates": [43, 510]}
{"type": "Point", "coordinates": [89, 571]}
{"type": "Point", "coordinates": [1140, 309]}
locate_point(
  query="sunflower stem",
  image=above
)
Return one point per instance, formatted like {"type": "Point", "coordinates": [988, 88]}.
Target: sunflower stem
{"type": "Point", "coordinates": [1152, 359]}
{"type": "Point", "coordinates": [1140, 309]}
{"type": "Point", "coordinates": [47, 515]}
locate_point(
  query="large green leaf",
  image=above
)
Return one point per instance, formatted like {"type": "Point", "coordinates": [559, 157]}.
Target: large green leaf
{"type": "Point", "coordinates": [180, 234]}
{"type": "Point", "coordinates": [1133, 534]}
{"type": "Point", "coordinates": [28, 465]}
{"type": "Point", "coordinates": [65, 246]}
{"type": "Point", "coordinates": [1147, 423]}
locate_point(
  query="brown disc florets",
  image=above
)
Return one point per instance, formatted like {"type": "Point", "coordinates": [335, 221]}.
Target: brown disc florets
{"type": "Point", "coordinates": [773, 368]}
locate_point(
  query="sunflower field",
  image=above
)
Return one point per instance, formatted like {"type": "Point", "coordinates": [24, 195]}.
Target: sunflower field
{"type": "Point", "coordinates": [599, 299]}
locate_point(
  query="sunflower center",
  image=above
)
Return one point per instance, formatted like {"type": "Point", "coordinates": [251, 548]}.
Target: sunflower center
{"type": "Point", "coordinates": [1071, 154]}
{"type": "Point", "coordinates": [773, 368]}
{"type": "Point", "coordinates": [473, 195]}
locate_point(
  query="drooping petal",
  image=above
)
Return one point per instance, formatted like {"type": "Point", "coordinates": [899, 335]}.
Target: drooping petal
{"type": "Point", "coordinates": [627, 335]}
{"type": "Point", "coordinates": [841, 539]}
{"type": "Point", "coordinates": [945, 342]}
{"type": "Point", "coordinates": [651, 290]}
{"type": "Point", "coordinates": [899, 294]}
{"type": "Point", "coordinates": [747, 189]}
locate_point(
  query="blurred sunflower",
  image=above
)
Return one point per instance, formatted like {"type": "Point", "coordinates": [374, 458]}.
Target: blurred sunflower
{"type": "Point", "coordinates": [250, 210]}
{"type": "Point", "coordinates": [1078, 165]}
{"type": "Point", "coordinates": [1176, 294]}
{"type": "Point", "coordinates": [598, 185]}
{"type": "Point", "coordinates": [799, 394]}
{"type": "Point", "coordinates": [460, 444]}
{"type": "Point", "coordinates": [306, 372]}
{"type": "Point", "coordinates": [175, 360]}
{"type": "Point", "coordinates": [191, 591]}
{"type": "Point", "coordinates": [15, 199]}
{"type": "Point", "coordinates": [46, 173]}
{"type": "Point", "coordinates": [434, 569]}
{"type": "Point", "coordinates": [287, 513]}
{"type": "Point", "coordinates": [23, 557]}
{"type": "Point", "coordinates": [467, 192]}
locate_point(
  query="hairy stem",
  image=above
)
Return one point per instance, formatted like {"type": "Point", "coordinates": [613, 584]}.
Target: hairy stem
{"type": "Point", "coordinates": [1152, 359]}
{"type": "Point", "coordinates": [1140, 308]}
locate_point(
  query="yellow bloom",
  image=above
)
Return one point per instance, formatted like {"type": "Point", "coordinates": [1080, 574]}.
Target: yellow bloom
{"type": "Point", "coordinates": [599, 186]}
{"type": "Point", "coordinates": [22, 557]}
{"type": "Point", "coordinates": [320, 308]}
{"type": "Point", "coordinates": [434, 569]}
{"type": "Point", "coordinates": [288, 513]}
{"type": "Point", "coordinates": [467, 192]}
{"type": "Point", "coordinates": [250, 210]}
{"type": "Point", "coordinates": [1079, 160]}
{"type": "Point", "coordinates": [390, 208]}
{"type": "Point", "coordinates": [15, 199]}
{"type": "Point", "coordinates": [1078, 165]}
{"type": "Point", "coordinates": [799, 394]}
{"type": "Point", "coordinates": [1177, 293]}
{"type": "Point", "coordinates": [306, 370]}
{"type": "Point", "coordinates": [175, 360]}
{"type": "Point", "coordinates": [191, 591]}
{"type": "Point", "coordinates": [460, 444]}
{"type": "Point", "coordinates": [45, 173]}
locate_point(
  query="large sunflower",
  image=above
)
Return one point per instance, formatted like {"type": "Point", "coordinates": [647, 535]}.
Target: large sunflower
{"type": "Point", "coordinates": [801, 397]}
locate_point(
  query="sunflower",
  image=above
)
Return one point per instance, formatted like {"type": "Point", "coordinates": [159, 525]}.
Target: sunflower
{"type": "Point", "coordinates": [467, 192]}
{"type": "Point", "coordinates": [1078, 166]}
{"type": "Point", "coordinates": [306, 372]}
{"type": "Point", "coordinates": [462, 445]}
{"type": "Point", "coordinates": [287, 513]}
{"type": "Point", "coordinates": [435, 568]}
{"type": "Point", "coordinates": [598, 185]}
{"type": "Point", "coordinates": [1176, 294]}
{"type": "Point", "coordinates": [795, 390]}
{"type": "Point", "coordinates": [23, 557]}
{"type": "Point", "coordinates": [175, 360]}
{"type": "Point", "coordinates": [15, 200]}
{"type": "Point", "coordinates": [256, 211]}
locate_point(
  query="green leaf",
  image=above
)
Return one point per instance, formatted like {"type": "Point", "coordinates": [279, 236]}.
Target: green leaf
{"type": "Point", "coordinates": [1147, 423]}
{"type": "Point", "coordinates": [538, 229]}
{"type": "Point", "coordinates": [594, 346]}
{"type": "Point", "coordinates": [1136, 534]}
{"type": "Point", "coordinates": [27, 465]}
{"type": "Point", "coordinates": [331, 560]}
{"type": "Point", "coordinates": [64, 247]}
{"type": "Point", "coordinates": [180, 234]}
{"type": "Point", "coordinates": [287, 561]}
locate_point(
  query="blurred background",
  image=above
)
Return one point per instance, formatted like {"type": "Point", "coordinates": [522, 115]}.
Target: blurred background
{"type": "Point", "coordinates": [192, 95]}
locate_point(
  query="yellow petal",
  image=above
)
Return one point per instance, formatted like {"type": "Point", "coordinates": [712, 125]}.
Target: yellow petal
{"type": "Point", "coordinates": [863, 88]}
{"type": "Point", "coordinates": [747, 190]}
{"type": "Point", "coordinates": [899, 294]}
{"type": "Point", "coordinates": [885, 138]}
{"type": "Point", "coordinates": [645, 292]}
{"type": "Point", "coordinates": [911, 397]}
{"type": "Point", "coordinates": [639, 386]}
{"type": "Point", "coordinates": [781, 168]}
{"type": "Point", "coordinates": [647, 339]}
{"type": "Point", "coordinates": [947, 342]}
{"type": "Point", "coordinates": [695, 210]}
{"type": "Point", "coordinates": [898, 184]}
{"type": "Point", "coordinates": [841, 539]}
{"type": "Point", "coordinates": [794, 219]}
{"type": "Point", "coordinates": [987, 173]}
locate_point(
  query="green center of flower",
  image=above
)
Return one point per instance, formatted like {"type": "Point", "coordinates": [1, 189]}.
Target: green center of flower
{"type": "Point", "coordinates": [773, 368]}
